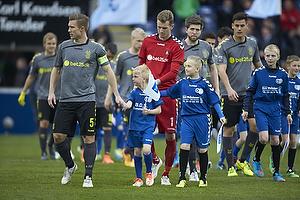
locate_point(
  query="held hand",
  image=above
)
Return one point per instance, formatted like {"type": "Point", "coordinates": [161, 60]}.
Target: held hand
{"type": "Point", "coordinates": [222, 120]}
{"type": "Point", "coordinates": [245, 116]}
{"type": "Point", "coordinates": [21, 99]}
{"type": "Point", "coordinates": [145, 111]}
{"type": "Point", "coordinates": [232, 95]}
{"type": "Point", "coordinates": [289, 119]}
{"type": "Point", "coordinates": [120, 101]}
{"type": "Point", "coordinates": [51, 100]}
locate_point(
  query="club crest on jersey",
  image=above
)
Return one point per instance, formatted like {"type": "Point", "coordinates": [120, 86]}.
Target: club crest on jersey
{"type": "Point", "coordinates": [278, 81]}
{"type": "Point", "coordinates": [88, 54]}
{"type": "Point", "coordinates": [199, 91]}
{"type": "Point", "coordinates": [297, 87]}
{"type": "Point", "coordinates": [250, 51]}
{"type": "Point", "coordinates": [204, 54]}
{"type": "Point", "coordinates": [167, 52]}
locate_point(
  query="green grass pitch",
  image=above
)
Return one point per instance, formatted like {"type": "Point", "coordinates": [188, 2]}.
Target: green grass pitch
{"type": "Point", "coordinates": [24, 176]}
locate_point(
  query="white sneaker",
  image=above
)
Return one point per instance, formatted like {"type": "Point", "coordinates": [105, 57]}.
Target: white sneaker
{"type": "Point", "coordinates": [68, 174]}
{"type": "Point", "coordinates": [72, 155]}
{"type": "Point", "coordinates": [165, 180]}
{"type": "Point", "coordinates": [87, 182]}
{"type": "Point", "coordinates": [194, 177]}
{"type": "Point", "coordinates": [138, 182]}
{"type": "Point", "coordinates": [155, 168]}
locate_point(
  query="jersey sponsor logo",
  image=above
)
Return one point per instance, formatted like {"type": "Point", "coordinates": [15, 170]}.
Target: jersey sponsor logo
{"type": "Point", "coordinates": [271, 90]}
{"type": "Point", "coordinates": [101, 77]}
{"type": "Point", "coordinates": [159, 59]}
{"type": "Point", "coordinates": [88, 54]}
{"type": "Point", "coordinates": [129, 72]}
{"type": "Point", "coordinates": [294, 95]}
{"type": "Point", "coordinates": [44, 70]}
{"type": "Point", "coordinates": [239, 60]}
{"type": "Point", "coordinates": [75, 64]}
{"type": "Point", "coordinates": [191, 99]}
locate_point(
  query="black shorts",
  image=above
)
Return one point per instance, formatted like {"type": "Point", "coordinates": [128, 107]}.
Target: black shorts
{"type": "Point", "coordinates": [68, 113]}
{"type": "Point", "coordinates": [103, 118]}
{"type": "Point", "coordinates": [45, 112]}
{"type": "Point", "coordinates": [232, 110]}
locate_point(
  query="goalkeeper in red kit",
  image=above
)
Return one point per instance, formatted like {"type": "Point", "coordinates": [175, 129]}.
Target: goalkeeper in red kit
{"type": "Point", "coordinates": [164, 53]}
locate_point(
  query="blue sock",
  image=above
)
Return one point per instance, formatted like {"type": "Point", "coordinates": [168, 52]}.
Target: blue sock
{"type": "Point", "coordinates": [138, 166]}
{"type": "Point", "coordinates": [120, 139]}
{"type": "Point", "coordinates": [236, 151]}
{"type": "Point", "coordinates": [148, 162]}
{"type": "Point", "coordinates": [222, 157]}
{"type": "Point", "coordinates": [99, 138]}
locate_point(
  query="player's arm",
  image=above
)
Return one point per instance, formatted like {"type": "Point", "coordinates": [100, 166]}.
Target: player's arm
{"type": "Point", "coordinates": [29, 81]}
{"type": "Point", "coordinates": [214, 77]}
{"type": "Point", "coordinates": [232, 95]}
{"type": "Point", "coordinates": [154, 111]}
{"type": "Point", "coordinates": [55, 74]}
{"type": "Point", "coordinates": [258, 64]}
{"type": "Point", "coordinates": [113, 84]}
{"type": "Point", "coordinates": [171, 75]}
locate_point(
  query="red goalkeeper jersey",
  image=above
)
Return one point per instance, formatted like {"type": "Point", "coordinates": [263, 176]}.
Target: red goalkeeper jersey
{"type": "Point", "coordinates": [163, 58]}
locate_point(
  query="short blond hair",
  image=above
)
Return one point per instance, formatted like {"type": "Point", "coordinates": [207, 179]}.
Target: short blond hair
{"type": "Point", "coordinates": [49, 36]}
{"type": "Point", "coordinates": [272, 47]}
{"type": "Point", "coordinates": [291, 59]}
{"type": "Point", "coordinates": [136, 31]}
{"type": "Point", "coordinates": [199, 62]}
{"type": "Point", "coordinates": [143, 70]}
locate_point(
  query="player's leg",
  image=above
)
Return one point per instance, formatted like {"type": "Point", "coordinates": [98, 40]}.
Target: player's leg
{"type": "Point", "coordinates": [107, 116]}
{"type": "Point", "coordinates": [134, 141]}
{"type": "Point", "coordinates": [52, 152]}
{"type": "Point", "coordinates": [127, 151]}
{"type": "Point", "coordinates": [44, 115]}
{"type": "Point", "coordinates": [65, 124]}
{"type": "Point", "coordinates": [202, 126]}
{"type": "Point", "coordinates": [274, 120]}
{"type": "Point", "coordinates": [147, 141]}
{"type": "Point", "coordinates": [232, 112]}
{"type": "Point", "coordinates": [86, 116]}
{"type": "Point", "coordinates": [193, 163]}
{"type": "Point", "coordinates": [241, 134]}
{"type": "Point", "coordinates": [292, 156]}
{"type": "Point", "coordinates": [221, 164]}
{"type": "Point", "coordinates": [121, 130]}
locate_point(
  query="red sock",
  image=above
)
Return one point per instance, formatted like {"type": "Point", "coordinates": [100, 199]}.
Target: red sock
{"type": "Point", "coordinates": [170, 154]}
{"type": "Point", "coordinates": [155, 158]}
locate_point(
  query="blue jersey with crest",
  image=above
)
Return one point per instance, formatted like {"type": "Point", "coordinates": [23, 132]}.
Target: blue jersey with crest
{"type": "Point", "coordinates": [138, 121]}
{"type": "Point", "coordinates": [196, 95]}
{"type": "Point", "coordinates": [294, 87]}
{"type": "Point", "coordinates": [269, 85]}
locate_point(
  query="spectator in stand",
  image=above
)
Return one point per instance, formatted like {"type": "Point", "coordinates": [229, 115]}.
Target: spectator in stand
{"type": "Point", "coordinates": [289, 20]}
